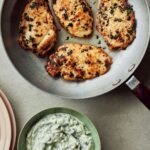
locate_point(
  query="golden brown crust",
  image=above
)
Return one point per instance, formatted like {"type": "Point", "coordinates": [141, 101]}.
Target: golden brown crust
{"type": "Point", "coordinates": [37, 31]}
{"type": "Point", "coordinates": [116, 23]}
{"type": "Point", "coordinates": [75, 16]}
{"type": "Point", "coordinates": [78, 62]}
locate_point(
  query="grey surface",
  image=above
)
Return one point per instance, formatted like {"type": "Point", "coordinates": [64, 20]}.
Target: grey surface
{"type": "Point", "coordinates": [122, 121]}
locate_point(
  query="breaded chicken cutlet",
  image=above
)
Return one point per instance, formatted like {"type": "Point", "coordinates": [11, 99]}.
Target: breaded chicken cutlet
{"type": "Point", "coordinates": [75, 16]}
{"type": "Point", "coordinates": [74, 61]}
{"type": "Point", "coordinates": [116, 23]}
{"type": "Point", "coordinates": [37, 31]}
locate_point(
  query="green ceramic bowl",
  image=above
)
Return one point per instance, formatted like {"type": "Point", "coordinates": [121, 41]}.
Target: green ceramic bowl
{"type": "Point", "coordinates": [22, 138]}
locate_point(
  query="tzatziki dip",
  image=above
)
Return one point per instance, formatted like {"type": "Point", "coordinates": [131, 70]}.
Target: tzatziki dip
{"type": "Point", "coordinates": [59, 131]}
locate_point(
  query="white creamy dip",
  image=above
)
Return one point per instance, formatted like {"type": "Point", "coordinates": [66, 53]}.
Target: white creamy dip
{"type": "Point", "coordinates": [59, 131]}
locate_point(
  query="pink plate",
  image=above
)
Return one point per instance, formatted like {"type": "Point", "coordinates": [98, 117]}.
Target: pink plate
{"type": "Point", "coordinates": [12, 119]}
{"type": "Point", "coordinates": [6, 124]}
{"type": "Point", "coordinates": [2, 129]}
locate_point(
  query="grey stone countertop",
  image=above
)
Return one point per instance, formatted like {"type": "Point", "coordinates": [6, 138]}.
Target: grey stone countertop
{"type": "Point", "coordinates": [122, 121]}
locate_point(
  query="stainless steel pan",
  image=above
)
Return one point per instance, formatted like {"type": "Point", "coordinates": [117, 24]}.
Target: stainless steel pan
{"type": "Point", "coordinates": [32, 68]}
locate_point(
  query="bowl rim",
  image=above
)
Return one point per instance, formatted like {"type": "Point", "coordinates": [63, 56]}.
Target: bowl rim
{"type": "Point", "coordinates": [35, 118]}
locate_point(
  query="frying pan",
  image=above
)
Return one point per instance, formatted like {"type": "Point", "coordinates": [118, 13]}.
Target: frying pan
{"type": "Point", "coordinates": [33, 69]}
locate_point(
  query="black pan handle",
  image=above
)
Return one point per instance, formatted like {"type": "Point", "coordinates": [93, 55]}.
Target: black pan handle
{"type": "Point", "coordinates": [140, 91]}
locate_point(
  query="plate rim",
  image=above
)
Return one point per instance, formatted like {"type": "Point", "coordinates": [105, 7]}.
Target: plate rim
{"type": "Point", "coordinates": [8, 130]}
{"type": "Point", "coordinates": [2, 129]}
{"type": "Point", "coordinates": [12, 118]}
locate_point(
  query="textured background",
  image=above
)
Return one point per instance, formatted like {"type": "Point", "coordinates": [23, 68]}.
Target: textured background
{"type": "Point", "coordinates": [122, 121]}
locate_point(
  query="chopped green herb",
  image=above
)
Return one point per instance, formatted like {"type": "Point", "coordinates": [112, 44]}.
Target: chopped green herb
{"type": "Point", "coordinates": [67, 38]}
{"type": "Point", "coordinates": [99, 42]}
{"type": "Point", "coordinates": [34, 45]}
{"type": "Point", "coordinates": [83, 50]}
{"type": "Point", "coordinates": [97, 37]}
{"type": "Point", "coordinates": [30, 27]}
{"type": "Point", "coordinates": [117, 19]}
{"type": "Point", "coordinates": [94, 2]}
{"type": "Point", "coordinates": [31, 39]}
{"type": "Point", "coordinates": [71, 75]}
{"type": "Point", "coordinates": [21, 29]}
{"type": "Point", "coordinates": [65, 16]}
{"type": "Point", "coordinates": [129, 9]}
{"type": "Point", "coordinates": [70, 52]}
{"type": "Point", "coordinates": [34, 5]}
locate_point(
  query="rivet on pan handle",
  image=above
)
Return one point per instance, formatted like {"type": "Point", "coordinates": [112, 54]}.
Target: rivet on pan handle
{"type": "Point", "coordinates": [139, 90]}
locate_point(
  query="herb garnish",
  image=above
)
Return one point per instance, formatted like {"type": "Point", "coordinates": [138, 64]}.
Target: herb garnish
{"type": "Point", "coordinates": [30, 27]}
{"type": "Point", "coordinates": [34, 5]}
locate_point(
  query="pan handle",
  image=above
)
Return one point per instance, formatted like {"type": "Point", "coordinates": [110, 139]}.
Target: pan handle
{"type": "Point", "coordinates": [140, 91]}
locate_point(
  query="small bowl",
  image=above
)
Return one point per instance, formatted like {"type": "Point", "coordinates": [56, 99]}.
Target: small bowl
{"type": "Point", "coordinates": [22, 137]}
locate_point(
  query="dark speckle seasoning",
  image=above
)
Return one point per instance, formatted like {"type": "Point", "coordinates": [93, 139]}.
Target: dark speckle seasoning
{"type": "Point", "coordinates": [129, 18]}
{"type": "Point", "coordinates": [115, 5]}
{"type": "Point", "coordinates": [38, 23]}
{"type": "Point", "coordinates": [65, 16]}
{"type": "Point", "coordinates": [129, 9]}
{"type": "Point", "coordinates": [27, 18]}
{"type": "Point", "coordinates": [83, 50]}
{"type": "Point", "coordinates": [64, 48]}
{"type": "Point", "coordinates": [54, 1]}
{"type": "Point", "coordinates": [85, 9]}
{"type": "Point", "coordinates": [87, 62]}
{"type": "Point", "coordinates": [115, 36]}
{"type": "Point", "coordinates": [67, 38]}
{"type": "Point", "coordinates": [130, 31]}
{"type": "Point", "coordinates": [34, 45]}
{"type": "Point", "coordinates": [31, 39]}
{"type": "Point", "coordinates": [90, 48]}
{"type": "Point", "coordinates": [30, 27]}
{"type": "Point", "coordinates": [99, 42]}
{"type": "Point", "coordinates": [97, 74]}
{"type": "Point", "coordinates": [74, 64]}
{"type": "Point", "coordinates": [69, 53]}
{"type": "Point", "coordinates": [21, 29]}
{"type": "Point", "coordinates": [111, 10]}
{"type": "Point", "coordinates": [39, 35]}
{"type": "Point", "coordinates": [70, 25]}
{"type": "Point", "coordinates": [107, 65]}
{"type": "Point", "coordinates": [34, 5]}
{"type": "Point", "coordinates": [99, 61]}
{"type": "Point", "coordinates": [118, 20]}
{"type": "Point", "coordinates": [71, 75]}
{"type": "Point", "coordinates": [97, 37]}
